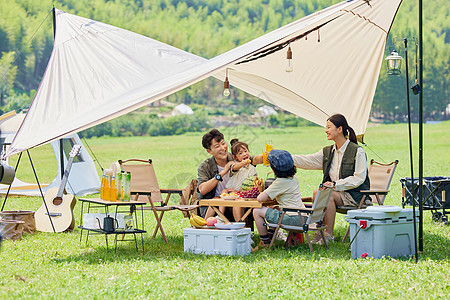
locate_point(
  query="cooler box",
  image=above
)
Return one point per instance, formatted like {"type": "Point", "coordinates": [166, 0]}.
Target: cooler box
{"type": "Point", "coordinates": [387, 231]}
{"type": "Point", "coordinates": [216, 241]}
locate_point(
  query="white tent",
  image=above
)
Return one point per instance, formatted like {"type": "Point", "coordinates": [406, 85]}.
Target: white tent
{"type": "Point", "coordinates": [83, 178]}
{"type": "Point", "coordinates": [182, 109]}
{"type": "Point", "coordinates": [98, 72]}
{"type": "Point", "coordinates": [266, 110]}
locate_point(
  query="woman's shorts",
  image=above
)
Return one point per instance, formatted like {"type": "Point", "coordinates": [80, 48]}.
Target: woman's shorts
{"type": "Point", "coordinates": [273, 215]}
{"type": "Point", "coordinates": [349, 201]}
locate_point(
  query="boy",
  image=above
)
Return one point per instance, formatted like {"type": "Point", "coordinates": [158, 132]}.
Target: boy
{"type": "Point", "coordinates": [285, 189]}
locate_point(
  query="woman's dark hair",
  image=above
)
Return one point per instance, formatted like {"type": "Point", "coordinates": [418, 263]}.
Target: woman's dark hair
{"type": "Point", "coordinates": [208, 137]}
{"type": "Point", "coordinates": [236, 146]}
{"type": "Point", "coordinates": [339, 120]}
{"type": "Point", "coordinates": [284, 174]}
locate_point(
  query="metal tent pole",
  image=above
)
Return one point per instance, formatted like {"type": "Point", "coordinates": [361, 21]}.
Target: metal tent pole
{"type": "Point", "coordinates": [42, 194]}
{"type": "Point", "coordinates": [420, 131]}
{"type": "Point", "coordinates": [61, 153]}
{"type": "Point", "coordinates": [416, 254]}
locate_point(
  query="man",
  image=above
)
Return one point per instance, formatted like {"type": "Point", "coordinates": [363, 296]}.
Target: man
{"type": "Point", "coordinates": [213, 173]}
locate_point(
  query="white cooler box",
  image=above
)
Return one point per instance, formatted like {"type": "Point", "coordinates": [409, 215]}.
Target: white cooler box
{"type": "Point", "coordinates": [387, 231]}
{"type": "Point", "coordinates": [216, 241]}
{"type": "Point", "coordinates": [90, 220]}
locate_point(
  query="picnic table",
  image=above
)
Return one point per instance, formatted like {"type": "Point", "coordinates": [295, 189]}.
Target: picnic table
{"type": "Point", "coordinates": [249, 203]}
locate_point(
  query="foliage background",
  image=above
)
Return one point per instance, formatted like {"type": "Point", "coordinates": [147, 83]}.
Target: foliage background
{"type": "Point", "coordinates": [208, 28]}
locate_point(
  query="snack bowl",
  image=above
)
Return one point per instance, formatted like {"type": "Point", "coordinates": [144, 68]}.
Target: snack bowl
{"type": "Point", "coordinates": [229, 197]}
{"type": "Point", "coordinates": [230, 226]}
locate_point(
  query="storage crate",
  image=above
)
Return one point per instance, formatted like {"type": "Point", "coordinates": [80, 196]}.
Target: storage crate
{"type": "Point", "coordinates": [386, 231]}
{"type": "Point", "coordinates": [216, 241]}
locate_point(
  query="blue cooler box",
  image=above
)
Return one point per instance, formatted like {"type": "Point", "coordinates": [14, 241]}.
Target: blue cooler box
{"type": "Point", "coordinates": [387, 231]}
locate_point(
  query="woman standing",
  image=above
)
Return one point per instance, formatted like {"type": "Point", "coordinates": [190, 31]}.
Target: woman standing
{"type": "Point", "coordinates": [344, 166]}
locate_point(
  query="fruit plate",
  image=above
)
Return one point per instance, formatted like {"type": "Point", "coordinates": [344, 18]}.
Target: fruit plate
{"type": "Point", "coordinates": [204, 227]}
{"type": "Point", "coordinates": [229, 197]}
{"type": "Point", "coordinates": [230, 226]}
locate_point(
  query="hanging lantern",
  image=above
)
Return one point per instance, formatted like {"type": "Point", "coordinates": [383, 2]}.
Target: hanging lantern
{"type": "Point", "coordinates": [226, 85]}
{"type": "Point", "coordinates": [289, 68]}
{"type": "Point", "coordinates": [394, 63]}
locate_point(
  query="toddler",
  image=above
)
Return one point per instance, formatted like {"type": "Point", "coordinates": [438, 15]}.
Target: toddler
{"type": "Point", "coordinates": [240, 170]}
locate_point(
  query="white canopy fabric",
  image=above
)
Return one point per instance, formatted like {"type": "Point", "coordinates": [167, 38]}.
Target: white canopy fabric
{"type": "Point", "coordinates": [98, 72]}
{"type": "Point", "coordinates": [83, 177]}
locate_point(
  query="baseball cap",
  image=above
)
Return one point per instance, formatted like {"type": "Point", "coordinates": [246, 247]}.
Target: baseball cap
{"type": "Point", "coordinates": [281, 160]}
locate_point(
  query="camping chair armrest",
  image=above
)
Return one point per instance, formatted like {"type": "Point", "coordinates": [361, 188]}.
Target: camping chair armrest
{"type": "Point", "coordinates": [373, 192]}
{"type": "Point", "coordinates": [172, 191]}
{"type": "Point", "coordinates": [307, 199]}
{"type": "Point", "coordinates": [297, 209]}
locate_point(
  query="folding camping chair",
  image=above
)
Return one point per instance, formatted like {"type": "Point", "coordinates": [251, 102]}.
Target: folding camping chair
{"type": "Point", "coordinates": [144, 187]}
{"type": "Point", "coordinates": [314, 222]}
{"type": "Point", "coordinates": [380, 176]}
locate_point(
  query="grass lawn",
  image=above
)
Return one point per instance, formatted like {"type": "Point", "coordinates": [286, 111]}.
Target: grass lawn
{"type": "Point", "coordinates": [47, 265]}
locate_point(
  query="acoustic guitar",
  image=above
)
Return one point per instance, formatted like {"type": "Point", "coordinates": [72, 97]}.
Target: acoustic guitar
{"type": "Point", "coordinates": [60, 207]}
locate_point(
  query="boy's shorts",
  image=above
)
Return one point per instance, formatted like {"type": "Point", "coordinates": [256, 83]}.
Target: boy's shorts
{"type": "Point", "coordinates": [273, 215]}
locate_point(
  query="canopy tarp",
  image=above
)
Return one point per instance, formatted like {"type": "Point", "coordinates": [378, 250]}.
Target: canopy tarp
{"type": "Point", "coordinates": [98, 72]}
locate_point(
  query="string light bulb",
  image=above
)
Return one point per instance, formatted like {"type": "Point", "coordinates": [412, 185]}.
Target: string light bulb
{"type": "Point", "coordinates": [289, 67]}
{"type": "Point", "coordinates": [226, 86]}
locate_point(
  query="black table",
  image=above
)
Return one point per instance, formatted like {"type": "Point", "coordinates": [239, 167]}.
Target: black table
{"type": "Point", "coordinates": [118, 206]}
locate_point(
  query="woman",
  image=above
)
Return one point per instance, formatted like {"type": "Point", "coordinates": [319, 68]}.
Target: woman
{"type": "Point", "coordinates": [344, 166]}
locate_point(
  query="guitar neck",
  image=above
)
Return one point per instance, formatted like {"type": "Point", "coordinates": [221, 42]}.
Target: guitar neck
{"type": "Point", "coordinates": [67, 171]}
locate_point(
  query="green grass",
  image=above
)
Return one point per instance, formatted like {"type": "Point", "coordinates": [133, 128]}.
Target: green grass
{"type": "Point", "coordinates": [47, 265]}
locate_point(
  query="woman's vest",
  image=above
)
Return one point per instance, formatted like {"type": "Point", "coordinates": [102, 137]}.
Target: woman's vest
{"type": "Point", "coordinates": [347, 168]}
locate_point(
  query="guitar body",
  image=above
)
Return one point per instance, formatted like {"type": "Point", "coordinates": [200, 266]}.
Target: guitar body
{"type": "Point", "coordinates": [61, 212]}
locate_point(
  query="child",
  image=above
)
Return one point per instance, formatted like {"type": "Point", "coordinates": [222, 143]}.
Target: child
{"type": "Point", "coordinates": [285, 189]}
{"type": "Point", "coordinates": [240, 170]}
{"type": "Point", "coordinates": [243, 167]}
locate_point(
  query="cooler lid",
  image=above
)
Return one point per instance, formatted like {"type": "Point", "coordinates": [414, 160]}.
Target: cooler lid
{"type": "Point", "coordinates": [384, 208]}
{"type": "Point", "coordinates": [381, 212]}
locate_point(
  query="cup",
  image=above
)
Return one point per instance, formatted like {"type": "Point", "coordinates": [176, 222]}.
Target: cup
{"type": "Point", "coordinates": [269, 147]}
{"type": "Point", "coordinates": [265, 158]}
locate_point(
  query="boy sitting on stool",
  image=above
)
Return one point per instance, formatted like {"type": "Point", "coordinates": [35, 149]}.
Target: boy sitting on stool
{"type": "Point", "coordinates": [285, 189]}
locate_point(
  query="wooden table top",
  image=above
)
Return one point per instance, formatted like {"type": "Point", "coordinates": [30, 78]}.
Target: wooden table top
{"type": "Point", "coordinates": [239, 202]}
{"type": "Point", "coordinates": [107, 202]}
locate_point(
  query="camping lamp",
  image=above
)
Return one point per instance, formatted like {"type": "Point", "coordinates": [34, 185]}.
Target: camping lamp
{"type": "Point", "coordinates": [394, 62]}
{"type": "Point", "coordinates": [226, 86]}
{"type": "Point", "coordinates": [289, 67]}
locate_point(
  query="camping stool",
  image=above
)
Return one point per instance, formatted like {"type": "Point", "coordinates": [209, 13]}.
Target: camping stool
{"type": "Point", "coordinates": [29, 225]}
{"type": "Point", "coordinates": [11, 229]}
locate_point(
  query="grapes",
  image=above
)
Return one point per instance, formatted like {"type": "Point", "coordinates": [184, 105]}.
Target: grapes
{"type": "Point", "coordinates": [253, 193]}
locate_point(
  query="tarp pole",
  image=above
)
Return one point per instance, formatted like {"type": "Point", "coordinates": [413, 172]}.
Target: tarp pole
{"type": "Point", "coordinates": [420, 132]}
{"type": "Point", "coordinates": [61, 153]}
{"type": "Point", "coordinates": [410, 150]}
{"type": "Point", "coordinates": [42, 194]}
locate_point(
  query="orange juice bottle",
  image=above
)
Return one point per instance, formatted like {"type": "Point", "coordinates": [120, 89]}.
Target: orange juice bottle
{"type": "Point", "coordinates": [113, 190]}
{"type": "Point", "coordinates": [107, 189]}
{"type": "Point", "coordinates": [102, 187]}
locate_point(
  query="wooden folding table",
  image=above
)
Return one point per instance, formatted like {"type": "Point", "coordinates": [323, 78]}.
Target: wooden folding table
{"type": "Point", "coordinates": [239, 202]}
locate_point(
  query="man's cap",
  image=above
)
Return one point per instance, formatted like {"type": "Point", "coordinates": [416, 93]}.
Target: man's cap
{"type": "Point", "coordinates": [281, 160]}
